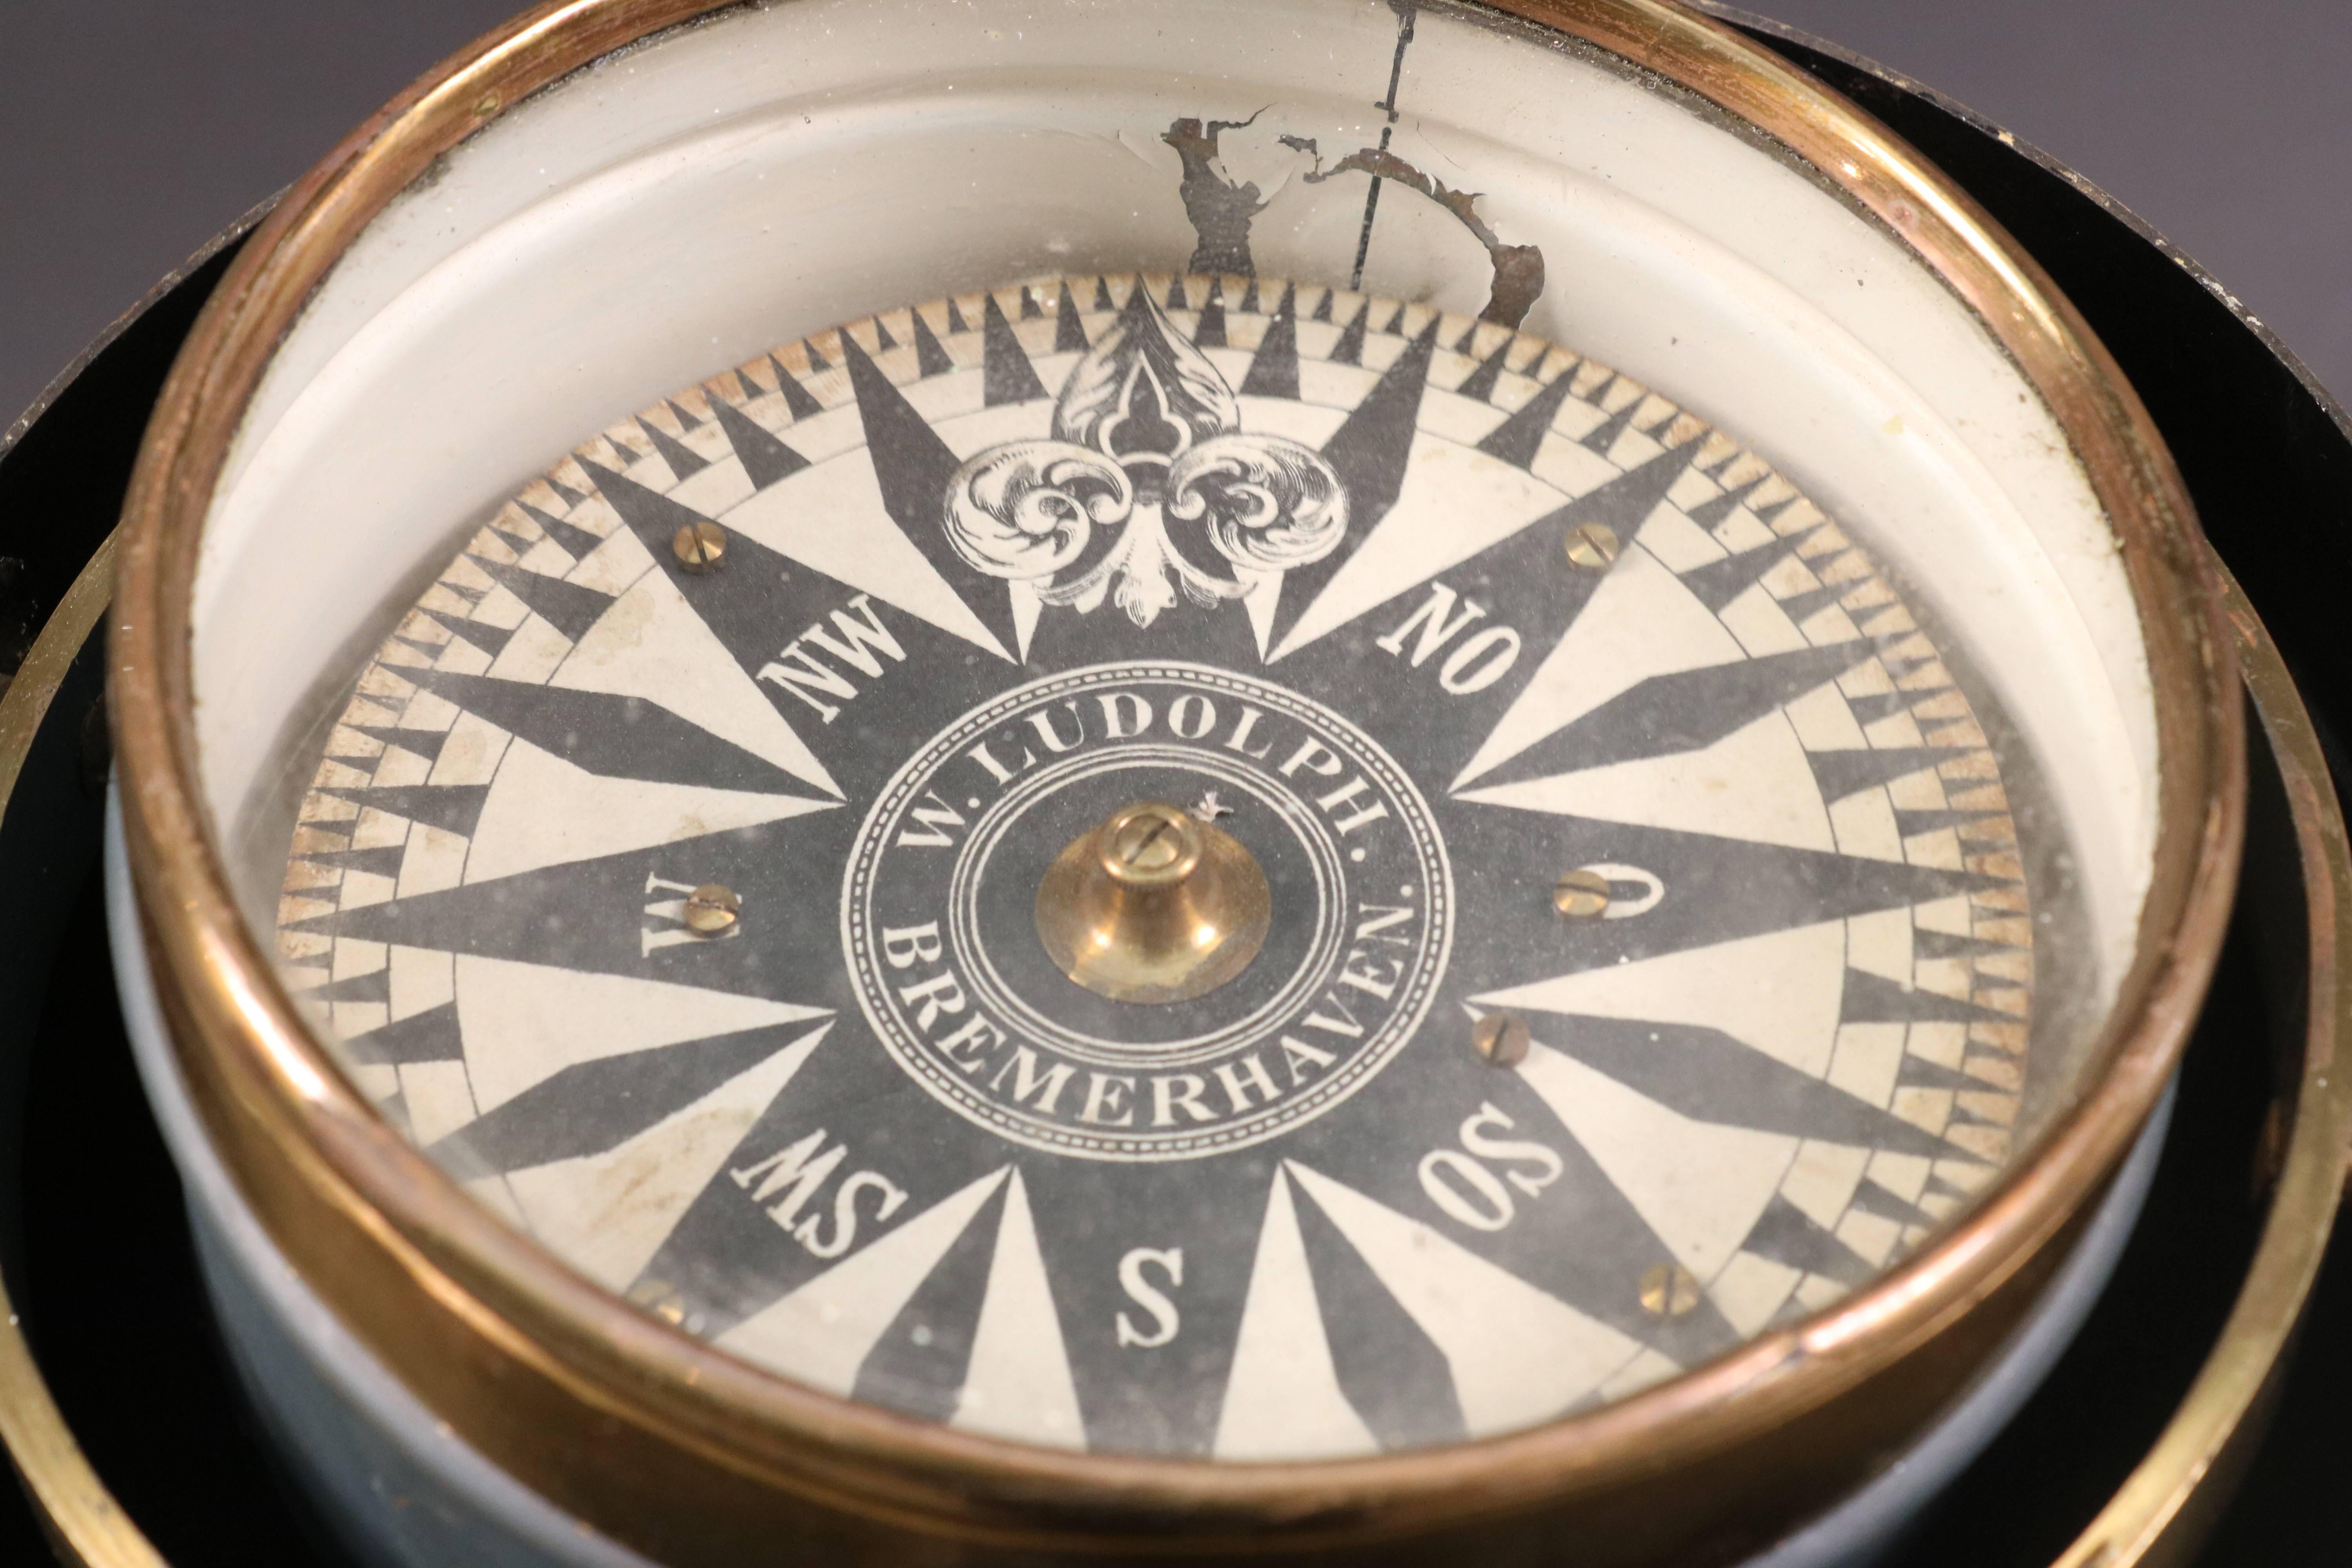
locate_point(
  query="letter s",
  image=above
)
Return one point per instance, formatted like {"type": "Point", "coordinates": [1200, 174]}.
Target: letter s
{"type": "Point", "coordinates": [844, 1213]}
{"type": "Point", "coordinates": [1547, 1162]}
{"type": "Point", "coordinates": [1165, 1321]}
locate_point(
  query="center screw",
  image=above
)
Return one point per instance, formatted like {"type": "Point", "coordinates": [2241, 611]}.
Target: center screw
{"type": "Point", "coordinates": [1150, 842]}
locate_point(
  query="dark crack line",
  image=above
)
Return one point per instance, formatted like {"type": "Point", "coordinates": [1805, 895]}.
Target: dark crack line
{"type": "Point", "coordinates": [1405, 10]}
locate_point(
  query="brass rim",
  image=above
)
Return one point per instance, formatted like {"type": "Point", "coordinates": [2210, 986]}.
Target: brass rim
{"type": "Point", "coordinates": [2158, 1507]}
{"type": "Point", "coordinates": [2161, 1510]}
{"type": "Point", "coordinates": [686, 1450]}
{"type": "Point", "coordinates": [85, 1521]}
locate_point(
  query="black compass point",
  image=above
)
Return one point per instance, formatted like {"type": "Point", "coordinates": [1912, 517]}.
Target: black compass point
{"type": "Point", "coordinates": [912, 466]}
{"type": "Point", "coordinates": [683, 460]}
{"type": "Point", "coordinates": [765, 457]}
{"type": "Point", "coordinates": [567, 607]}
{"type": "Point", "coordinates": [1369, 451]}
{"type": "Point", "coordinates": [1007, 374]}
{"type": "Point", "coordinates": [1683, 711]}
{"type": "Point", "coordinates": [431, 1036]}
{"type": "Point", "coordinates": [452, 807]}
{"type": "Point", "coordinates": [930, 359]}
{"type": "Point", "coordinates": [1708, 1075]}
{"type": "Point", "coordinates": [591, 1107]}
{"type": "Point", "coordinates": [575, 541]}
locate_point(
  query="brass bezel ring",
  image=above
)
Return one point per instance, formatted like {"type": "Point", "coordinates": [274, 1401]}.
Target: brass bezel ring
{"type": "Point", "coordinates": [693, 1456]}
{"type": "Point", "coordinates": [82, 1519]}
{"type": "Point", "coordinates": [2164, 1507]}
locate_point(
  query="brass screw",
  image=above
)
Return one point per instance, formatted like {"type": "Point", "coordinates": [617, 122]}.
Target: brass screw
{"type": "Point", "coordinates": [1501, 1038]}
{"type": "Point", "coordinates": [700, 546]}
{"type": "Point", "coordinates": [1669, 1291]}
{"type": "Point", "coordinates": [1593, 546]}
{"type": "Point", "coordinates": [1581, 895]}
{"type": "Point", "coordinates": [1149, 841]}
{"type": "Point", "coordinates": [659, 1298]}
{"type": "Point", "coordinates": [711, 909]}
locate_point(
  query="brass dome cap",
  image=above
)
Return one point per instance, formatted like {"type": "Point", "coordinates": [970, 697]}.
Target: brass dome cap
{"type": "Point", "coordinates": [1152, 905]}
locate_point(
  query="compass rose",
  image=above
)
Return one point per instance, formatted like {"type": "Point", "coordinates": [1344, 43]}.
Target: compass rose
{"type": "Point", "coordinates": [1644, 955]}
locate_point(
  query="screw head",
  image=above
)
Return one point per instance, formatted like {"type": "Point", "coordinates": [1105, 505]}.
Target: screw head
{"type": "Point", "coordinates": [1581, 895]}
{"type": "Point", "coordinates": [1147, 844]}
{"type": "Point", "coordinates": [700, 546]}
{"type": "Point", "coordinates": [712, 909]}
{"type": "Point", "coordinates": [1502, 1038]}
{"type": "Point", "coordinates": [1151, 844]}
{"type": "Point", "coordinates": [1669, 1291]}
{"type": "Point", "coordinates": [1593, 546]}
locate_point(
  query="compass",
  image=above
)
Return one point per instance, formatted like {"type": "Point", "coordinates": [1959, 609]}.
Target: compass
{"type": "Point", "coordinates": [963, 799]}
{"type": "Point", "coordinates": [1773, 921]}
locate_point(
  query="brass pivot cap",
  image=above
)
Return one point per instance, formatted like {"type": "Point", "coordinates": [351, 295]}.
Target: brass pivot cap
{"type": "Point", "coordinates": [1153, 905]}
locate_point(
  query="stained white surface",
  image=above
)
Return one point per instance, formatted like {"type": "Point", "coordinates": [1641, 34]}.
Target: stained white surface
{"type": "Point", "coordinates": [654, 646]}
{"type": "Point", "coordinates": [1518, 1354]}
{"type": "Point", "coordinates": [1018, 1383]}
{"type": "Point", "coordinates": [1640, 621]}
{"type": "Point", "coordinates": [1283, 1398]}
{"type": "Point", "coordinates": [821, 1333]}
{"type": "Point", "coordinates": [546, 1019]}
{"type": "Point", "coordinates": [1754, 783]}
{"type": "Point", "coordinates": [1779, 993]}
{"type": "Point", "coordinates": [608, 1214]}
{"type": "Point", "coordinates": [1701, 1186]}
{"type": "Point", "coordinates": [543, 811]}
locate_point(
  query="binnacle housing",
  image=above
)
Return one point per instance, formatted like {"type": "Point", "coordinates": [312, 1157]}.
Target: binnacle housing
{"type": "Point", "coordinates": [1685, 799]}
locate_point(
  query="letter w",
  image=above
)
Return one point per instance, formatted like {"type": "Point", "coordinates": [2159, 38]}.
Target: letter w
{"type": "Point", "coordinates": [858, 636]}
{"type": "Point", "coordinates": [937, 818]}
{"type": "Point", "coordinates": [795, 1168]}
{"type": "Point", "coordinates": [810, 676]}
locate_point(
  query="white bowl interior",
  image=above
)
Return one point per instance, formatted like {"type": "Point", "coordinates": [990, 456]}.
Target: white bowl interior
{"type": "Point", "coordinates": [685, 205]}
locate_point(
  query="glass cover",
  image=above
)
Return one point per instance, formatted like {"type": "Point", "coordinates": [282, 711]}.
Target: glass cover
{"type": "Point", "coordinates": [1183, 864]}
{"type": "Point", "coordinates": [1335, 726]}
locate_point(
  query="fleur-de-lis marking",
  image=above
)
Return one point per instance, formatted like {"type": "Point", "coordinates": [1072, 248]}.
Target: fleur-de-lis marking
{"type": "Point", "coordinates": [1148, 481]}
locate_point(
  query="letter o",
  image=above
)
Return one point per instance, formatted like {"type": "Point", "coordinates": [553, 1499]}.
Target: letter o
{"type": "Point", "coordinates": [1652, 886]}
{"type": "Point", "coordinates": [1486, 1206]}
{"type": "Point", "coordinates": [1183, 726]}
{"type": "Point", "coordinates": [1500, 646]}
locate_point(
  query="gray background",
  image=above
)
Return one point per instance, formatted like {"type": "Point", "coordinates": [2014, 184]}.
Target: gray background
{"type": "Point", "coordinates": [133, 130]}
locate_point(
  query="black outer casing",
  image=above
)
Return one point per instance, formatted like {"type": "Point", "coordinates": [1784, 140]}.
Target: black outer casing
{"type": "Point", "coordinates": [2267, 457]}
{"type": "Point", "coordinates": [95, 1247]}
